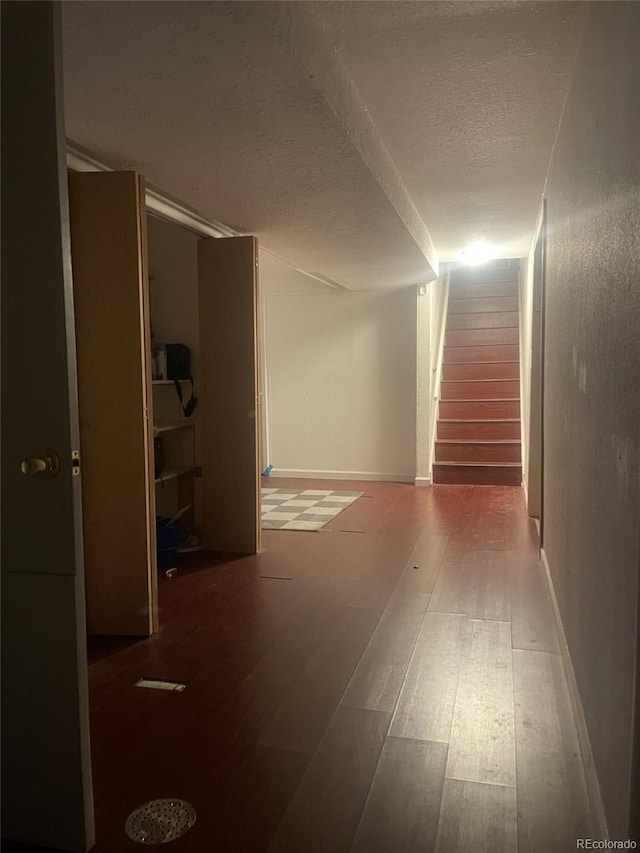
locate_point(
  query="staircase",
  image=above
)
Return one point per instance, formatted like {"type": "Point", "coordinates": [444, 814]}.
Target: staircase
{"type": "Point", "coordinates": [478, 433]}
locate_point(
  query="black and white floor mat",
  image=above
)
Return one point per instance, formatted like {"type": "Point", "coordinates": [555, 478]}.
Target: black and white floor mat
{"type": "Point", "coordinates": [297, 509]}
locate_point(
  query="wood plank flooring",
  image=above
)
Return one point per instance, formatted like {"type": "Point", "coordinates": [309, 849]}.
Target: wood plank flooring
{"type": "Point", "coordinates": [398, 689]}
{"type": "Point", "coordinates": [482, 741]}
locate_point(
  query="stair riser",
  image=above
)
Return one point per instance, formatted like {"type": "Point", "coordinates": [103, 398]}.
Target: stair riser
{"type": "Point", "coordinates": [479, 430]}
{"type": "Point", "coordinates": [483, 305]}
{"type": "Point", "coordinates": [458, 354]}
{"type": "Point", "coordinates": [499, 389]}
{"type": "Point", "coordinates": [477, 452]}
{"type": "Point", "coordinates": [479, 410]}
{"type": "Point", "coordinates": [481, 476]}
{"type": "Point", "coordinates": [480, 337]}
{"type": "Point", "coordinates": [497, 370]}
{"type": "Point", "coordinates": [483, 290]}
{"type": "Point", "coordinates": [499, 320]}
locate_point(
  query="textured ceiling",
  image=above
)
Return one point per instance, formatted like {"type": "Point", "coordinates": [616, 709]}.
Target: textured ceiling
{"type": "Point", "coordinates": [468, 97]}
{"type": "Point", "coordinates": [350, 137]}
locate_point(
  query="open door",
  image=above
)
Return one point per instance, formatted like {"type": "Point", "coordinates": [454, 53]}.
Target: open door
{"type": "Point", "coordinates": [46, 764]}
{"type": "Point", "coordinates": [229, 393]}
{"type": "Point", "coordinates": [109, 257]}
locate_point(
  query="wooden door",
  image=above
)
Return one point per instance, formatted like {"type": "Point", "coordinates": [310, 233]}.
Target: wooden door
{"type": "Point", "coordinates": [46, 763]}
{"type": "Point", "coordinates": [108, 251]}
{"type": "Point", "coordinates": [229, 394]}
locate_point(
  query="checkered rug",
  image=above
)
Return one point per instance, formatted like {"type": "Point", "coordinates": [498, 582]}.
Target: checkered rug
{"type": "Point", "coordinates": [294, 509]}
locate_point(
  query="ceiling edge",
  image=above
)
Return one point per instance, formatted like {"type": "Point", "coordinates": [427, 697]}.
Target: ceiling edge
{"type": "Point", "coordinates": [303, 32]}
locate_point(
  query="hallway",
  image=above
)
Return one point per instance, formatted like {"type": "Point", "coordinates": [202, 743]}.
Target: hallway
{"type": "Point", "coordinates": [390, 683]}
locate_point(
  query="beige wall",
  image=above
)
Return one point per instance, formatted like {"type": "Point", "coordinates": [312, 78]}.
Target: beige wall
{"type": "Point", "coordinates": [592, 391]}
{"type": "Point", "coordinates": [342, 382]}
{"type": "Point", "coordinates": [276, 278]}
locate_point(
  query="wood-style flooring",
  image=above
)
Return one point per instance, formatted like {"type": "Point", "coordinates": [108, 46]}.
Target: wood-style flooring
{"type": "Point", "coordinates": [389, 684]}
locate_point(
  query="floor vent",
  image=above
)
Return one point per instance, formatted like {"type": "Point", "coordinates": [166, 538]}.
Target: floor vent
{"type": "Point", "coordinates": [160, 821]}
{"type": "Point", "coordinates": [161, 684]}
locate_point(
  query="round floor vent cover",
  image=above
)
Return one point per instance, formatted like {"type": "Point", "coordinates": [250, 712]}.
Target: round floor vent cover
{"type": "Point", "coordinates": [160, 821]}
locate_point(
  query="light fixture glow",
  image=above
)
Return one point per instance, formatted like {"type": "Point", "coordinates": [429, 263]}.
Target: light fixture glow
{"type": "Point", "coordinates": [478, 253]}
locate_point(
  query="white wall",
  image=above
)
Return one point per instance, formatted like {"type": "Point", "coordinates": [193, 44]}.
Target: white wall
{"type": "Point", "coordinates": [438, 305]}
{"type": "Point", "coordinates": [432, 311]}
{"type": "Point", "coordinates": [341, 381]}
{"type": "Point", "coordinates": [275, 278]}
{"type": "Point", "coordinates": [173, 269]}
{"type": "Point", "coordinates": [424, 397]}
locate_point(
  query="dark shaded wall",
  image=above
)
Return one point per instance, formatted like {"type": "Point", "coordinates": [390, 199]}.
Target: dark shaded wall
{"type": "Point", "coordinates": [592, 388]}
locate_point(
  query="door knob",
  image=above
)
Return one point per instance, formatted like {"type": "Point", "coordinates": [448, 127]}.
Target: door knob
{"type": "Point", "coordinates": [46, 465]}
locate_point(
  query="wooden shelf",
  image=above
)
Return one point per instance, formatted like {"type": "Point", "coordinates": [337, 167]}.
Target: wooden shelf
{"type": "Point", "coordinates": [167, 381]}
{"type": "Point", "coordinates": [172, 473]}
{"type": "Point", "coordinates": [168, 427]}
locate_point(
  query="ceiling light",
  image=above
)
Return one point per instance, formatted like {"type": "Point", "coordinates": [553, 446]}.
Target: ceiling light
{"type": "Point", "coordinates": [478, 253]}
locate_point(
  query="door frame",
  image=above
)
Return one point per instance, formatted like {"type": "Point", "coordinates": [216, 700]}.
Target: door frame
{"type": "Point", "coordinates": [535, 443]}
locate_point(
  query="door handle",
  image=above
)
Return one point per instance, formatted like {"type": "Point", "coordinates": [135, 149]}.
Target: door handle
{"type": "Point", "coordinates": [46, 464]}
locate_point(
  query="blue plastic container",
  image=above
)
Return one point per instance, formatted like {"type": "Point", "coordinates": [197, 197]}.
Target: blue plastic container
{"type": "Point", "coordinates": [167, 539]}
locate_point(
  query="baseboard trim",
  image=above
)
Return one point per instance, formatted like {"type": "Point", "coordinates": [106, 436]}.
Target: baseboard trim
{"type": "Point", "coordinates": [591, 777]}
{"type": "Point", "coordinates": [422, 481]}
{"type": "Point", "coordinates": [341, 475]}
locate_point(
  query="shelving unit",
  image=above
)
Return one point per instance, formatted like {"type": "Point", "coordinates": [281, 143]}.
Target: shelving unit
{"type": "Point", "coordinates": [169, 427]}
{"type": "Point", "coordinates": [208, 296]}
{"type": "Point", "coordinates": [173, 473]}
{"type": "Point", "coordinates": [180, 457]}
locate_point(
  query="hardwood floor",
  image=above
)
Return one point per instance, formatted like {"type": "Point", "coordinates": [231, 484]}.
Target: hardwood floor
{"type": "Point", "coordinates": [397, 689]}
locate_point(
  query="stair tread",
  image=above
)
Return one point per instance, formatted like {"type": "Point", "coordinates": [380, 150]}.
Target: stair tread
{"type": "Point", "coordinates": [478, 440]}
{"type": "Point", "coordinates": [484, 400]}
{"type": "Point", "coordinates": [512, 379]}
{"type": "Point", "coordinates": [507, 361]}
{"type": "Point", "coordinates": [479, 464]}
{"type": "Point", "coordinates": [482, 328]}
{"type": "Point", "coordinates": [454, 298]}
{"type": "Point", "coordinates": [489, 344]}
{"type": "Point", "coordinates": [461, 355]}
{"type": "Point", "coordinates": [509, 311]}
{"type": "Point", "coordinates": [478, 421]}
